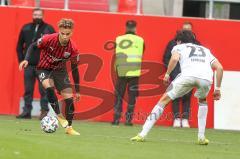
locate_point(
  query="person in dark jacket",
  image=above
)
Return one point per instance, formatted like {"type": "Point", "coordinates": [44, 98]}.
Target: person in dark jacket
{"type": "Point", "coordinates": [30, 33]}
{"type": "Point", "coordinates": [186, 99]}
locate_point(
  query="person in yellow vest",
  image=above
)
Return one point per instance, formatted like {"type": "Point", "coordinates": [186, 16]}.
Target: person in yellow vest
{"type": "Point", "coordinates": [129, 51]}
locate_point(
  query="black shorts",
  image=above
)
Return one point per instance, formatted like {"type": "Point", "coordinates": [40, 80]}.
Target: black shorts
{"type": "Point", "coordinates": [59, 77]}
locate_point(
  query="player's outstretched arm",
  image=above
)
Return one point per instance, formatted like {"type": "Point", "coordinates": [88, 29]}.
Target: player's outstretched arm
{"type": "Point", "coordinates": [172, 64]}
{"type": "Point", "coordinates": [24, 63]}
{"type": "Point", "coordinates": [216, 65]}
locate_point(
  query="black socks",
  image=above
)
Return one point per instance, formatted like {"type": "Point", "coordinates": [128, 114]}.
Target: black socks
{"type": "Point", "coordinates": [69, 110]}
{"type": "Point", "coordinates": [52, 99]}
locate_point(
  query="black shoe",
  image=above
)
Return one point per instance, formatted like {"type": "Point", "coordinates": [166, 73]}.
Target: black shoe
{"type": "Point", "coordinates": [115, 123]}
{"type": "Point", "coordinates": [24, 115]}
{"type": "Point", "coordinates": [128, 124]}
{"type": "Point", "coordinates": [43, 114]}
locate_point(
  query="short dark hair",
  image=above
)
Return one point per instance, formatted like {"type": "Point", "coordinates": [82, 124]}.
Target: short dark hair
{"type": "Point", "coordinates": [185, 36]}
{"type": "Point", "coordinates": [131, 24]}
{"type": "Point", "coordinates": [37, 9]}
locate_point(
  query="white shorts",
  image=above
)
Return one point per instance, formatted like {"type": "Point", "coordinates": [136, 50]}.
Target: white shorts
{"type": "Point", "coordinates": [182, 85]}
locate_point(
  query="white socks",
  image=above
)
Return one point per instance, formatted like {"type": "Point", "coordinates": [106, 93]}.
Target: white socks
{"type": "Point", "coordinates": [158, 110]}
{"type": "Point", "coordinates": [151, 119]}
{"type": "Point", "coordinates": [202, 118]}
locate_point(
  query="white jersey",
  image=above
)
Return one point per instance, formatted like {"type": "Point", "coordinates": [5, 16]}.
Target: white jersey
{"type": "Point", "coordinates": [195, 61]}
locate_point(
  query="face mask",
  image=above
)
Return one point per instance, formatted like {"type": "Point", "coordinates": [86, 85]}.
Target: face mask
{"type": "Point", "coordinates": [37, 20]}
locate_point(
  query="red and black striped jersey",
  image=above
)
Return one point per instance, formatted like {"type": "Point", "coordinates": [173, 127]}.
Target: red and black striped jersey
{"type": "Point", "coordinates": [53, 55]}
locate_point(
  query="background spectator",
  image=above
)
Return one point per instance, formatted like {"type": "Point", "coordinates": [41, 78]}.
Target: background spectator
{"type": "Point", "coordinates": [29, 33]}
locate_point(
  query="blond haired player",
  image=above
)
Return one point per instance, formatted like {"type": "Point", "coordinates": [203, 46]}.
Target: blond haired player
{"type": "Point", "coordinates": [56, 49]}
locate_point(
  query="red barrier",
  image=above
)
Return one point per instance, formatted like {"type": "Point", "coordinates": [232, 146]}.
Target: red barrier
{"type": "Point", "coordinates": [92, 31]}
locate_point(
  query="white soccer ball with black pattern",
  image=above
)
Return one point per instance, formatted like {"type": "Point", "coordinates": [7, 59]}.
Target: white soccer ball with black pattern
{"type": "Point", "coordinates": [49, 124]}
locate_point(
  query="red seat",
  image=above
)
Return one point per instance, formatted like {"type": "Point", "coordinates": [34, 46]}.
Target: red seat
{"type": "Point", "coordinates": [52, 4]}
{"type": "Point", "coordinates": [95, 5]}
{"type": "Point", "coordinates": [127, 6]}
{"type": "Point", "coordinates": [29, 3]}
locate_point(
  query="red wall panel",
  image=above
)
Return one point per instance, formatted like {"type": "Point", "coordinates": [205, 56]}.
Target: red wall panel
{"type": "Point", "coordinates": [92, 32]}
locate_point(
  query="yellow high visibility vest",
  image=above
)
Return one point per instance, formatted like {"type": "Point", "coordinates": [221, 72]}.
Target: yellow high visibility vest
{"type": "Point", "coordinates": [129, 51]}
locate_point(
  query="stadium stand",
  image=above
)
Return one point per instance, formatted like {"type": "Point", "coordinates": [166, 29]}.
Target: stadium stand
{"type": "Point", "coordinates": [29, 3]}
{"type": "Point", "coordinates": [94, 5]}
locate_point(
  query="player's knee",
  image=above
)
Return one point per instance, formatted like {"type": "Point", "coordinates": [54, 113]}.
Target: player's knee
{"type": "Point", "coordinates": [165, 99]}
{"type": "Point", "coordinates": [46, 83]}
{"type": "Point", "coordinates": [67, 93]}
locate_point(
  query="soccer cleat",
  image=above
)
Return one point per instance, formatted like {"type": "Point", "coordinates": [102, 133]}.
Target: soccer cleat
{"type": "Point", "coordinates": [43, 114]}
{"type": "Point", "coordinates": [185, 123]}
{"type": "Point", "coordinates": [62, 121]}
{"type": "Point", "coordinates": [71, 131]}
{"type": "Point", "coordinates": [177, 123]}
{"type": "Point", "coordinates": [203, 141]}
{"type": "Point", "coordinates": [128, 124]}
{"type": "Point", "coordinates": [115, 123]}
{"type": "Point", "coordinates": [138, 138]}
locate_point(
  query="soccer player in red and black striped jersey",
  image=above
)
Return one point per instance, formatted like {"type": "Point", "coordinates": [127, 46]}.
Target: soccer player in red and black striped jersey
{"type": "Point", "coordinates": [56, 50]}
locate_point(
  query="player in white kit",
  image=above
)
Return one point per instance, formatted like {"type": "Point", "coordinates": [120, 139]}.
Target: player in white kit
{"type": "Point", "coordinates": [197, 65]}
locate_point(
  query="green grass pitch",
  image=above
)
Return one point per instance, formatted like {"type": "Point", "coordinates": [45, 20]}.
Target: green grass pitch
{"type": "Point", "coordinates": [23, 139]}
